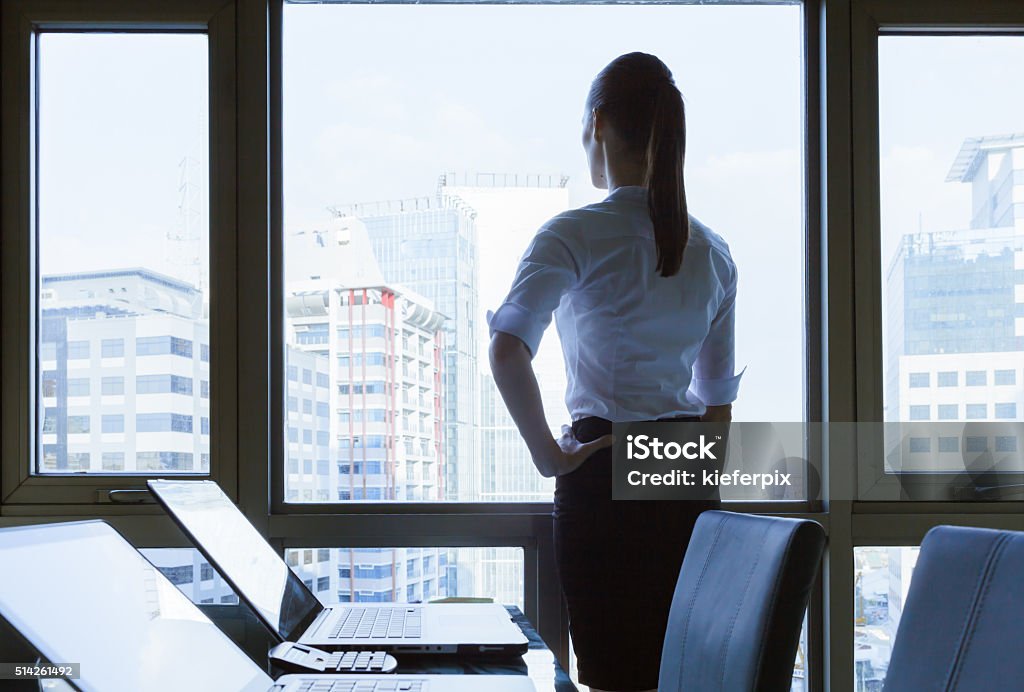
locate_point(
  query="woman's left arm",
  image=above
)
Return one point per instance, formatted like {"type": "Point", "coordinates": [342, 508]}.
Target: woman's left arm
{"type": "Point", "coordinates": [513, 374]}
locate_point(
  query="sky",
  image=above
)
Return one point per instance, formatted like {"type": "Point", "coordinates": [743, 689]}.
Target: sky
{"type": "Point", "coordinates": [380, 99]}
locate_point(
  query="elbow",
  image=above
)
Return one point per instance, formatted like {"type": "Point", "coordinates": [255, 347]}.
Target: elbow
{"type": "Point", "coordinates": [504, 350]}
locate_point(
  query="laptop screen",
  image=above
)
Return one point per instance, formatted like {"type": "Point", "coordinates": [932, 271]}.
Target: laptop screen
{"type": "Point", "coordinates": [234, 546]}
{"type": "Point", "coordinates": [80, 593]}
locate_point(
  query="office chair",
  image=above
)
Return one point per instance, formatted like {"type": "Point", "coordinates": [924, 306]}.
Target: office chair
{"type": "Point", "coordinates": [739, 604]}
{"type": "Point", "coordinates": [963, 622]}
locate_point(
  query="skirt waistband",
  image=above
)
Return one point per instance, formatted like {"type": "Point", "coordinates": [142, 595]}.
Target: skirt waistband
{"type": "Point", "coordinates": [592, 427]}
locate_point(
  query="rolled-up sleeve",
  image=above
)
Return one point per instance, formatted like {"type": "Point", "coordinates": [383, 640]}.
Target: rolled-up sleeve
{"type": "Point", "coordinates": [547, 270]}
{"type": "Point", "coordinates": [715, 381]}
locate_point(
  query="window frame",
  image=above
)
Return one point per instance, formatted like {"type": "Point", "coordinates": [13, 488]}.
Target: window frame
{"type": "Point", "coordinates": [871, 19]}
{"type": "Point", "coordinates": [22, 22]}
{"type": "Point", "coordinates": [853, 222]}
{"type": "Point", "coordinates": [524, 525]}
{"type": "Point", "coordinates": [843, 312]}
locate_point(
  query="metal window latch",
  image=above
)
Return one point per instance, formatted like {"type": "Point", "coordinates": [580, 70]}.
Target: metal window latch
{"type": "Point", "coordinates": [125, 497]}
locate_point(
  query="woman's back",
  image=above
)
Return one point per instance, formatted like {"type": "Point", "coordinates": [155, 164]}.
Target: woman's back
{"type": "Point", "coordinates": [632, 339]}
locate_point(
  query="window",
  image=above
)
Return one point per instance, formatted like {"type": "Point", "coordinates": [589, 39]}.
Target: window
{"type": "Point", "coordinates": [113, 423]}
{"type": "Point", "coordinates": [47, 351]}
{"type": "Point", "coordinates": [112, 348]}
{"type": "Point", "coordinates": [78, 350]}
{"type": "Point", "coordinates": [1005, 377]}
{"type": "Point", "coordinates": [949, 254]}
{"type": "Point", "coordinates": [112, 386]}
{"type": "Point", "coordinates": [293, 404]}
{"type": "Point", "coordinates": [205, 571]}
{"type": "Point", "coordinates": [122, 270]}
{"type": "Point", "coordinates": [113, 461]}
{"type": "Point", "coordinates": [1006, 443]}
{"type": "Point", "coordinates": [78, 424]}
{"type": "Point", "coordinates": [163, 422]}
{"type": "Point", "coordinates": [919, 379]}
{"type": "Point", "coordinates": [976, 444]}
{"type": "Point", "coordinates": [1006, 411]}
{"type": "Point", "coordinates": [204, 389]}
{"type": "Point", "coordinates": [78, 386]}
{"type": "Point", "coordinates": [493, 572]}
{"type": "Point", "coordinates": [307, 406]}
{"type": "Point", "coordinates": [920, 445]}
{"type": "Point", "coordinates": [164, 461]}
{"type": "Point", "coordinates": [949, 444]}
{"type": "Point", "coordinates": [881, 581]}
{"type": "Point", "coordinates": [430, 240]}
{"type": "Point", "coordinates": [976, 378]}
{"type": "Point", "coordinates": [204, 426]}
{"type": "Point", "coordinates": [163, 345]}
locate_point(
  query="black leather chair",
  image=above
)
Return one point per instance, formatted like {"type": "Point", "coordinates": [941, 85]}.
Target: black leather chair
{"type": "Point", "coordinates": [739, 604]}
{"type": "Point", "coordinates": [962, 627]}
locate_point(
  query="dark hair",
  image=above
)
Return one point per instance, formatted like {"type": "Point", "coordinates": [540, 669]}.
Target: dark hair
{"type": "Point", "coordinates": [636, 94]}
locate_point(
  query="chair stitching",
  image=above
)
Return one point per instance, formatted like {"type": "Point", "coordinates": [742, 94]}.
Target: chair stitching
{"type": "Point", "coordinates": [772, 607]}
{"type": "Point", "coordinates": [971, 625]}
{"type": "Point", "coordinates": [696, 590]}
{"type": "Point", "coordinates": [735, 615]}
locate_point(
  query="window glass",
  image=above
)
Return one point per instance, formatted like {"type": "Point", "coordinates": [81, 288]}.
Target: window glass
{"type": "Point", "coordinates": [411, 575]}
{"type": "Point", "coordinates": [123, 248]}
{"type": "Point", "coordinates": [881, 582]}
{"type": "Point", "coordinates": [415, 178]}
{"type": "Point", "coordinates": [952, 216]}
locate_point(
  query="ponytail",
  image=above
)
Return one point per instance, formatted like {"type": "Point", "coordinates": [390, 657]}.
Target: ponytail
{"type": "Point", "coordinates": [666, 196]}
{"type": "Point", "coordinates": [637, 95]}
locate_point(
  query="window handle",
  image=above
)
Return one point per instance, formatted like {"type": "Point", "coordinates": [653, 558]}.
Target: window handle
{"type": "Point", "coordinates": [129, 497]}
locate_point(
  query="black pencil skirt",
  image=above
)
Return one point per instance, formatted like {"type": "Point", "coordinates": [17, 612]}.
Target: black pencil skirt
{"type": "Point", "coordinates": [618, 562]}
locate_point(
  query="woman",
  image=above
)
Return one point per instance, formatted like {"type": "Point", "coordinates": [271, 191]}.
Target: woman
{"type": "Point", "coordinates": [643, 296]}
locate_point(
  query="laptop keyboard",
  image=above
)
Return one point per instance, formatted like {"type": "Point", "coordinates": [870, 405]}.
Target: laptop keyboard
{"type": "Point", "coordinates": [378, 623]}
{"type": "Point", "coordinates": [356, 662]}
{"type": "Point", "coordinates": [361, 686]}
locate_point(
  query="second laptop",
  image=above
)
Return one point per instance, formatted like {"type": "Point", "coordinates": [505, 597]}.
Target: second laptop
{"type": "Point", "coordinates": [290, 610]}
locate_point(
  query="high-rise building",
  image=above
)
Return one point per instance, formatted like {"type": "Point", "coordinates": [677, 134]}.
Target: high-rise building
{"type": "Point", "coordinates": [124, 362]}
{"type": "Point", "coordinates": [955, 312]}
{"type": "Point", "coordinates": [510, 208]}
{"type": "Point", "coordinates": [431, 248]}
{"type": "Point", "coordinates": [364, 409]}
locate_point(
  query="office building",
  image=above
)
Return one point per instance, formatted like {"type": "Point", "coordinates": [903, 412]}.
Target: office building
{"type": "Point", "coordinates": [124, 361]}
{"type": "Point", "coordinates": [955, 329]}
{"type": "Point", "coordinates": [431, 248]}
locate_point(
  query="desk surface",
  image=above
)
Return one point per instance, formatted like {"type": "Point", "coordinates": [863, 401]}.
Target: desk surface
{"type": "Point", "coordinates": [539, 662]}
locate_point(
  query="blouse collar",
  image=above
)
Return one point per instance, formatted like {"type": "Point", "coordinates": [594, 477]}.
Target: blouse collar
{"type": "Point", "coordinates": [628, 193]}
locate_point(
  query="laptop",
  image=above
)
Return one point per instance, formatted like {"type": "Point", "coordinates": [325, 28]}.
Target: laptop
{"type": "Point", "coordinates": [80, 593]}
{"type": "Point", "coordinates": [290, 610]}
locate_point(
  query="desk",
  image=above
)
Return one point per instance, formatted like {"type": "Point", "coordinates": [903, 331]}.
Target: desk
{"type": "Point", "coordinates": [538, 663]}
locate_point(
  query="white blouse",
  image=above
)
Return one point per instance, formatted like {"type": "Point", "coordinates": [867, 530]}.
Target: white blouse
{"type": "Point", "coordinates": [637, 346]}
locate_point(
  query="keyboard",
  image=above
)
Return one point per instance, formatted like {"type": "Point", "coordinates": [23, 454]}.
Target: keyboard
{"type": "Point", "coordinates": [378, 623]}
{"type": "Point", "coordinates": [356, 662]}
{"type": "Point", "coordinates": [361, 686]}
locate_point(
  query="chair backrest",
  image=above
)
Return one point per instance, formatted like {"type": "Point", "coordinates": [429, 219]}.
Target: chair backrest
{"type": "Point", "coordinates": [962, 626]}
{"type": "Point", "coordinates": [739, 604]}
